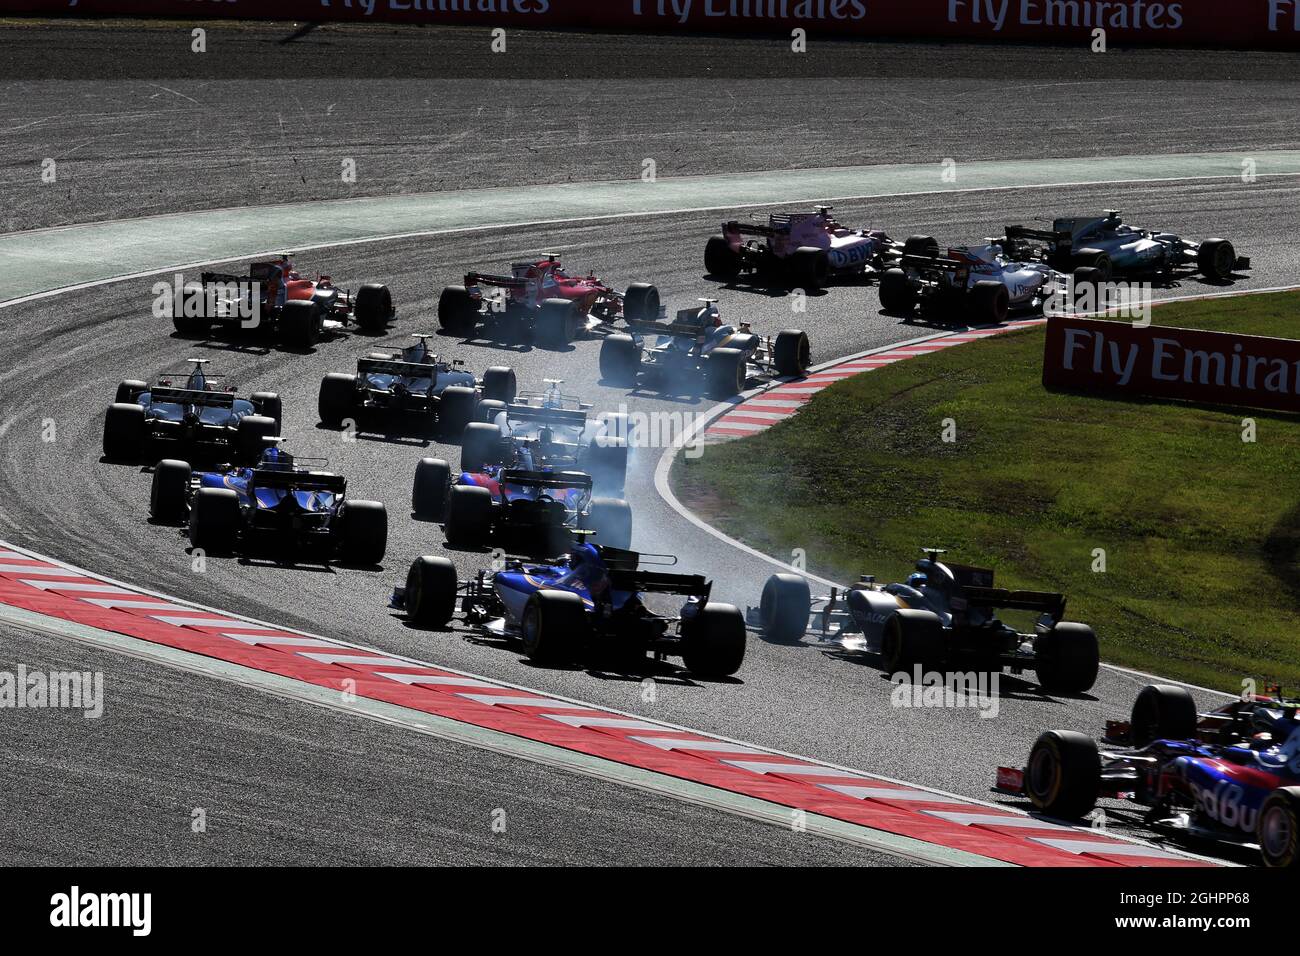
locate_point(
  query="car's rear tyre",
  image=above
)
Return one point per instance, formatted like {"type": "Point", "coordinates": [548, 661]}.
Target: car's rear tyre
{"type": "Point", "coordinates": [301, 323]}
{"type": "Point", "coordinates": [1217, 259]}
{"type": "Point", "coordinates": [456, 407]}
{"type": "Point", "coordinates": [430, 489]}
{"type": "Point", "coordinates": [458, 311]}
{"type": "Point", "coordinates": [488, 410]}
{"type": "Point", "coordinates": [921, 246]}
{"type": "Point", "coordinates": [373, 306]}
{"type": "Point", "coordinates": [1063, 777]}
{"type": "Point", "coordinates": [129, 392]}
{"type": "Point", "coordinates": [480, 446]}
{"type": "Point", "coordinates": [990, 302]}
{"type": "Point", "coordinates": [784, 608]}
{"type": "Point", "coordinates": [726, 372]}
{"type": "Point", "coordinates": [191, 327]}
{"type": "Point", "coordinates": [620, 359]}
{"type": "Point", "coordinates": [611, 519]}
{"type": "Point", "coordinates": [1094, 259]}
{"type": "Point", "coordinates": [720, 260]}
{"type": "Point", "coordinates": [251, 435]}
{"type": "Point", "coordinates": [559, 322]}
{"type": "Point", "coordinates": [469, 516]}
{"type": "Point", "coordinates": [554, 627]}
{"type": "Point", "coordinates": [214, 520]}
{"type": "Point", "coordinates": [125, 432]}
{"type": "Point", "coordinates": [810, 268]}
{"type": "Point", "coordinates": [1088, 282]}
{"type": "Point", "coordinates": [268, 405]}
{"type": "Point", "coordinates": [337, 401]}
{"type": "Point", "coordinates": [791, 353]}
{"type": "Point", "coordinates": [641, 303]}
{"type": "Point", "coordinates": [607, 463]}
{"type": "Point", "coordinates": [912, 639]}
{"type": "Point", "coordinates": [169, 491]}
{"type": "Point", "coordinates": [1163, 712]}
{"type": "Point", "coordinates": [1278, 829]}
{"type": "Point", "coordinates": [499, 384]}
{"type": "Point", "coordinates": [713, 642]}
{"type": "Point", "coordinates": [1067, 659]}
{"type": "Point", "coordinates": [431, 587]}
{"type": "Point", "coordinates": [363, 537]}
{"type": "Point", "coordinates": [897, 296]}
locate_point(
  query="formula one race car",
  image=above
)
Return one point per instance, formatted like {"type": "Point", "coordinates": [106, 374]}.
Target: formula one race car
{"type": "Point", "coordinates": [945, 613]}
{"type": "Point", "coordinates": [1112, 247]}
{"type": "Point", "coordinates": [1231, 776]}
{"type": "Point", "coordinates": [197, 415]}
{"type": "Point", "coordinates": [415, 381]}
{"type": "Point", "coordinates": [697, 349]}
{"type": "Point", "coordinates": [593, 604]}
{"type": "Point", "coordinates": [540, 301]}
{"type": "Point", "coordinates": [980, 284]}
{"type": "Point", "coordinates": [806, 248]}
{"type": "Point", "coordinates": [275, 295]}
{"type": "Point", "coordinates": [278, 503]}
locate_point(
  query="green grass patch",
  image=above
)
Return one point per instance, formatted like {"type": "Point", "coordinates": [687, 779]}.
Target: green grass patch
{"type": "Point", "coordinates": [1201, 530]}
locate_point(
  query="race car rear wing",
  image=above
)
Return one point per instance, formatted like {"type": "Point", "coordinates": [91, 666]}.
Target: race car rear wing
{"type": "Point", "coordinates": [192, 396]}
{"type": "Point", "coordinates": [298, 480]}
{"type": "Point", "coordinates": [367, 366]}
{"type": "Point", "coordinates": [1054, 240]}
{"type": "Point", "coordinates": [736, 227]}
{"type": "Point", "coordinates": [546, 479]}
{"type": "Point", "coordinates": [1043, 602]}
{"type": "Point", "coordinates": [688, 329]}
{"type": "Point", "coordinates": [626, 574]}
{"type": "Point", "coordinates": [518, 411]}
{"type": "Point", "coordinates": [483, 278]}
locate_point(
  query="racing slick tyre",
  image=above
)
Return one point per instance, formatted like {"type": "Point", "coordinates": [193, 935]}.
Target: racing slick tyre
{"type": "Point", "coordinates": [125, 432]}
{"type": "Point", "coordinates": [431, 587]}
{"type": "Point", "coordinates": [499, 384]}
{"type": "Point", "coordinates": [268, 404]}
{"type": "Point", "coordinates": [791, 353]}
{"type": "Point", "coordinates": [456, 407]}
{"type": "Point", "coordinates": [1278, 829]}
{"type": "Point", "coordinates": [1066, 659]}
{"type": "Point", "coordinates": [373, 307]}
{"type": "Point", "coordinates": [559, 322]}
{"type": "Point", "coordinates": [1216, 258]}
{"type": "Point", "coordinates": [620, 359]}
{"type": "Point", "coordinates": [607, 463]}
{"type": "Point", "coordinates": [1063, 777]}
{"type": "Point", "coordinates": [488, 410]}
{"type": "Point", "coordinates": [713, 642]}
{"type": "Point", "coordinates": [554, 627]}
{"type": "Point", "coordinates": [897, 296]}
{"type": "Point", "coordinates": [912, 639]}
{"type": "Point", "coordinates": [990, 302]}
{"type": "Point", "coordinates": [1087, 283]}
{"type": "Point", "coordinates": [214, 518]}
{"type": "Point", "coordinates": [1163, 712]}
{"type": "Point", "coordinates": [251, 435]}
{"type": "Point", "coordinates": [363, 533]}
{"type": "Point", "coordinates": [921, 246]}
{"type": "Point", "coordinates": [611, 519]}
{"type": "Point", "coordinates": [481, 446]}
{"type": "Point", "coordinates": [171, 483]}
{"type": "Point", "coordinates": [784, 608]}
{"type": "Point", "coordinates": [720, 260]}
{"type": "Point", "coordinates": [641, 303]}
{"type": "Point", "coordinates": [1093, 259]}
{"type": "Point", "coordinates": [430, 488]}
{"type": "Point", "coordinates": [191, 326]}
{"type": "Point", "coordinates": [337, 400]}
{"type": "Point", "coordinates": [457, 310]}
{"type": "Point", "coordinates": [726, 372]}
{"type": "Point", "coordinates": [128, 392]}
{"type": "Point", "coordinates": [301, 323]}
{"type": "Point", "coordinates": [810, 268]}
{"type": "Point", "coordinates": [469, 516]}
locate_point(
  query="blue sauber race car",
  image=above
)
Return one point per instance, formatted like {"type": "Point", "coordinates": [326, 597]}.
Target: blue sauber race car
{"type": "Point", "coordinates": [197, 415]}
{"type": "Point", "coordinates": [1231, 776]}
{"type": "Point", "coordinates": [415, 381]}
{"type": "Point", "coordinates": [594, 604]}
{"type": "Point", "coordinates": [278, 504]}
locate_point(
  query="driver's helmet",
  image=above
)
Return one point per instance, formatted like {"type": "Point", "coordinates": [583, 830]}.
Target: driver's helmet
{"type": "Point", "coordinates": [916, 580]}
{"type": "Point", "coordinates": [275, 459]}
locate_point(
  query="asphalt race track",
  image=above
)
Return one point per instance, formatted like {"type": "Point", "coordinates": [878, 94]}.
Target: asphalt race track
{"type": "Point", "coordinates": [297, 784]}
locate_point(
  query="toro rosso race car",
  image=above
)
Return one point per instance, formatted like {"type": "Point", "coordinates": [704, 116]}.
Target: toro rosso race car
{"type": "Point", "coordinates": [414, 381]}
{"type": "Point", "coordinates": [698, 350]}
{"type": "Point", "coordinates": [1231, 776]}
{"type": "Point", "coordinates": [277, 504]}
{"type": "Point", "coordinates": [944, 613]}
{"type": "Point", "coordinates": [275, 296]}
{"type": "Point", "coordinates": [540, 301]}
{"type": "Point", "coordinates": [807, 248]}
{"type": "Point", "coordinates": [195, 414]}
{"type": "Point", "coordinates": [597, 603]}
{"type": "Point", "coordinates": [1115, 249]}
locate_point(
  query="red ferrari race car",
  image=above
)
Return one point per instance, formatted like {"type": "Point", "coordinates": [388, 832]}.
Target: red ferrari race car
{"type": "Point", "coordinates": [542, 302]}
{"type": "Point", "coordinates": [274, 295]}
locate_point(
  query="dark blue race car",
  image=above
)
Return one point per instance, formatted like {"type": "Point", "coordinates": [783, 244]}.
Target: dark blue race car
{"type": "Point", "coordinates": [203, 418]}
{"type": "Point", "coordinates": [278, 504]}
{"type": "Point", "coordinates": [593, 604]}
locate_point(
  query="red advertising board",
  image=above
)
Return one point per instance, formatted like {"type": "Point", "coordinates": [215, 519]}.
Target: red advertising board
{"type": "Point", "coordinates": [1207, 23]}
{"type": "Point", "coordinates": [1218, 368]}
